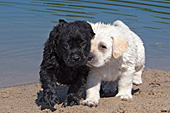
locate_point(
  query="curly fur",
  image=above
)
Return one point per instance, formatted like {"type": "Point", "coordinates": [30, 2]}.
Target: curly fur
{"type": "Point", "coordinates": [65, 54]}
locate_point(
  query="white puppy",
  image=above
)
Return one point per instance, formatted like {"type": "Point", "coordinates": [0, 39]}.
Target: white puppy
{"type": "Point", "coordinates": [118, 56]}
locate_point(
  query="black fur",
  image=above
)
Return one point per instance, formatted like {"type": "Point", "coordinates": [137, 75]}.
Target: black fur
{"type": "Point", "coordinates": [65, 55]}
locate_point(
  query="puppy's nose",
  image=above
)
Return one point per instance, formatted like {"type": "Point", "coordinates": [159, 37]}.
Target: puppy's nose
{"type": "Point", "coordinates": [90, 57]}
{"type": "Point", "coordinates": [75, 58]}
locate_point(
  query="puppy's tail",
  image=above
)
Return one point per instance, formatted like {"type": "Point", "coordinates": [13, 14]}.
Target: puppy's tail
{"type": "Point", "coordinates": [119, 23]}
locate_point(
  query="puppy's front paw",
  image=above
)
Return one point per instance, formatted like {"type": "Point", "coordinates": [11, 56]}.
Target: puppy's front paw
{"type": "Point", "coordinates": [49, 98]}
{"type": "Point", "coordinates": [71, 100]}
{"type": "Point", "coordinates": [124, 96]}
{"type": "Point", "coordinates": [89, 103]}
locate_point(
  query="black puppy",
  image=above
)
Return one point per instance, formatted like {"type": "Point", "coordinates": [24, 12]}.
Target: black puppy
{"type": "Point", "coordinates": [65, 55]}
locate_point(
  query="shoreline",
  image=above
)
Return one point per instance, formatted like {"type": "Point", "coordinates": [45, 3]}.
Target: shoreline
{"type": "Point", "coordinates": [20, 85]}
{"type": "Point", "coordinates": [15, 84]}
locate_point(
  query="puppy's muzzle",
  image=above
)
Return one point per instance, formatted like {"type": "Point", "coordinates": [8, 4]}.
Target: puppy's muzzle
{"type": "Point", "coordinates": [90, 57]}
{"type": "Point", "coordinates": [90, 60]}
{"type": "Point", "coordinates": [76, 58]}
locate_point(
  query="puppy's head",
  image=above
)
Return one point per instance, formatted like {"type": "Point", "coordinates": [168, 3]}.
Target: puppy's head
{"type": "Point", "coordinates": [71, 42]}
{"type": "Point", "coordinates": [105, 45]}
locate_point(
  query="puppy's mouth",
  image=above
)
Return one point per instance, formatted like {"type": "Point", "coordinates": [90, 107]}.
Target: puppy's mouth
{"type": "Point", "coordinates": [75, 64]}
{"type": "Point", "coordinates": [76, 61]}
{"type": "Point", "coordinates": [89, 64]}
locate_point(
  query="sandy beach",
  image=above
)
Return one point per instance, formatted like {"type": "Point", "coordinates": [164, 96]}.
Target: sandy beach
{"type": "Point", "coordinates": [153, 96]}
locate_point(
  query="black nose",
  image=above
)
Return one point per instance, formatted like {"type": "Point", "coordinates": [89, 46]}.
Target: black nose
{"type": "Point", "coordinates": [90, 57]}
{"type": "Point", "coordinates": [75, 58]}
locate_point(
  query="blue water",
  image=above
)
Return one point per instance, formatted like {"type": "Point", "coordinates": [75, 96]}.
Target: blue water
{"type": "Point", "coordinates": [25, 26]}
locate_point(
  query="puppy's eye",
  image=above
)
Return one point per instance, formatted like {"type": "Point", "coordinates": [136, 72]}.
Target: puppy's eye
{"type": "Point", "coordinates": [83, 44]}
{"type": "Point", "coordinates": [102, 47]}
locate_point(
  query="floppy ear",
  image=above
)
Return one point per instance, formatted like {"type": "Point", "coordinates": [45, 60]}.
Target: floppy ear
{"type": "Point", "coordinates": [89, 27]}
{"type": "Point", "coordinates": [54, 35]}
{"type": "Point", "coordinates": [85, 25]}
{"type": "Point", "coordinates": [50, 49]}
{"type": "Point", "coordinates": [120, 46]}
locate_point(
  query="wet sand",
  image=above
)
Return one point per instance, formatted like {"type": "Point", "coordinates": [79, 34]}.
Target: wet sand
{"type": "Point", "coordinates": [153, 96]}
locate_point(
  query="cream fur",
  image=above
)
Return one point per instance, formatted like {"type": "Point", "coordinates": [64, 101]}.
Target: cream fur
{"type": "Point", "coordinates": [122, 67]}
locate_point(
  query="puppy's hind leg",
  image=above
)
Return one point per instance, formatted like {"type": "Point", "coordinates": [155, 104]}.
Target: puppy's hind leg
{"type": "Point", "coordinates": [125, 84]}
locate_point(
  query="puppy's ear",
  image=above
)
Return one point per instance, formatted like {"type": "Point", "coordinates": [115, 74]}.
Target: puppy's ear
{"type": "Point", "coordinates": [53, 39]}
{"type": "Point", "coordinates": [54, 34]}
{"type": "Point", "coordinates": [89, 28]}
{"type": "Point", "coordinates": [120, 46]}
{"type": "Point", "coordinates": [85, 25]}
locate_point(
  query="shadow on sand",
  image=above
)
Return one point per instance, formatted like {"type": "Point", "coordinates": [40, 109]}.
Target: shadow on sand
{"type": "Point", "coordinates": [62, 93]}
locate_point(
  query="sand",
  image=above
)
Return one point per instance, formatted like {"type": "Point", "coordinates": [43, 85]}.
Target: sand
{"type": "Point", "coordinates": [153, 96]}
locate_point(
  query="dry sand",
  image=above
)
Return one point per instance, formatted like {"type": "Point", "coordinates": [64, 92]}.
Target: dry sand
{"type": "Point", "coordinates": [153, 96]}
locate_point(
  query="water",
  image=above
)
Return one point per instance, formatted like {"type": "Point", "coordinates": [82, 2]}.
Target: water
{"type": "Point", "coordinates": [25, 26]}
